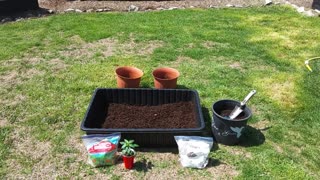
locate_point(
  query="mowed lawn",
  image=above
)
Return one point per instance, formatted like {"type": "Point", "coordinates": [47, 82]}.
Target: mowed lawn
{"type": "Point", "coordinates": [49, 68]}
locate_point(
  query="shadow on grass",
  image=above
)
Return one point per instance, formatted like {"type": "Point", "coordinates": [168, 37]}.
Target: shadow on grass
{"type": "Point", "coordinates": [252, 137]}
{"type": "Point", "coordinates": [145, 85]}
{"type": "Point", "coordinates": [207, 121]}
{"type": "Point", "coordinates": [180, 86]}
{"type": "Point", "coordinates": [143, 165]}
{"type": "Point", "coordinates": [150, 85]}
{"type": "Point", "coordinates": [213, 162]}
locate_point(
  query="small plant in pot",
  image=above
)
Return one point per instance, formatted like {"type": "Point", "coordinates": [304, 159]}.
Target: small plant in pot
{"type": "Point", "coordinates": [128, 152]}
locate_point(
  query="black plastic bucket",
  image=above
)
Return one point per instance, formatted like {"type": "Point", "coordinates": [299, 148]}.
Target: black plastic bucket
{"type": "Point", "coordinates": [227, 131]}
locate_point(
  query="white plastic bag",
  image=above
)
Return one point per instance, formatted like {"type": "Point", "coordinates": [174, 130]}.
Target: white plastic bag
{"type": "Point", "coordinates": [101, 148]}
{"type": "Point", "coordinates": [194, 150]}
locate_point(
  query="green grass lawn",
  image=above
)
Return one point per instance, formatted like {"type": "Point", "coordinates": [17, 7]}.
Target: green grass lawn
{"type": "Point", "coordinates": [51, 66]}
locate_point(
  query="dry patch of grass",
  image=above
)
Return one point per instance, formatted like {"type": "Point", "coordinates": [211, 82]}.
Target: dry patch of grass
{"type": "Point", "coordinates": [57, 64]}
{"type": "Point", "coordinates": [239, 151]}
{"type": "Point", "coordinates": [9, 79]}
{"type": "Point", "coordinates": [211, 44]}
{"type": "Point", "coordinates": [278, 148]}
{"type": "Point", "coordinates": [281, 89]}
{"type": "Point", "coordinates": [282, 39]}
{"type": "Point", "coordinates": [108, 47]}
{"type": "Point", "coordinates": [148, 165]}
{"type": "Point", "coordinates": [36, 160]}
{"type": "Point", "coordinates": [261, 125]}
{"type": "Point", "coordinates": [3, 122]}
{"type": "Point", "coordinates": [32, 156]}
{"type": "Point", "coordinates": [223, 171]}
{"type": "Point", "coordinates": [14, 74]}
{"type": "Point", "coordinates": [19, 98]}
{"type": "Point", "coordinates": [142, 49]}
{"type": "Point", "coordinates": [236, 65]}
{"type": "Point", "coordinates": [87, 50]}
{"type": "Point", "coordinates": [182, 60]}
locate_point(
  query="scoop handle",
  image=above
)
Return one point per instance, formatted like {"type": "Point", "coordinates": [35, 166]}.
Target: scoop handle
{"type": "Point", "coordinates": [246, 99]}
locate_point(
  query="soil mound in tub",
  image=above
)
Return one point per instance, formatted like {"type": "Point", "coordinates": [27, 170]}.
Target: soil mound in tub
{"type": "Point", "coordinates": [167, 116]}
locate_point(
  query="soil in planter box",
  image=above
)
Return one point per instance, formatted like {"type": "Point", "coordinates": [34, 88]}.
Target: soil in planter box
{"type": "Point", "coordinates": [167, 116]}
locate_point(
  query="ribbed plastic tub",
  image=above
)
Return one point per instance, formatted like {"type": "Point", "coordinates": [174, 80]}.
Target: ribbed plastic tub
{"type": "Point", "coordinates": [97, 112]}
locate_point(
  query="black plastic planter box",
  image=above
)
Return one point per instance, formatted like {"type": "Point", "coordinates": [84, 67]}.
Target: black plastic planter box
{"type": "Point", "coordinates": [97, 112]}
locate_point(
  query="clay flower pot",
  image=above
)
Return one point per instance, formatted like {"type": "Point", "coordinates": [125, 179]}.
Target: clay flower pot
{"type": "Point", "coordinates": [128, 77]}
{"type": "Point", "coordinates": [165, 78]}
{"type": "Point", "coordinates": [128, 161]}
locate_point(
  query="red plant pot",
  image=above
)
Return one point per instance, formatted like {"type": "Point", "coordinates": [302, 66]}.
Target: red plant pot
{"type": "Point", "coordinates": [128, 161]}
{"type": "Point", "coordinates": [165, 78]}
{"type": "Point", "coordinates": [128, 77]}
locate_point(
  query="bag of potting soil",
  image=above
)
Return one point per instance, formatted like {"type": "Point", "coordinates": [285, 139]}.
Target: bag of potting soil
{"type": "Point", "coordinates": [101, 148]}
{"type": "Point", "coordinates": [194, 150]}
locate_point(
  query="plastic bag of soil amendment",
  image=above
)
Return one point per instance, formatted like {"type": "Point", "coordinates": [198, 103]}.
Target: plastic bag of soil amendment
{"type": "Point", "coordinates": [194, 150]}
{"type": "Point", "coordinates": [101, 148]}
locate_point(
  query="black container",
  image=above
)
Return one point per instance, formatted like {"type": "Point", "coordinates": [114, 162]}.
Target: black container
{"type": "Point", "coordinates": [12, 6]}
{"type": "Point", "coordinates": [97, 112]}
{"type": "Point", "coordinates": [227, 131]}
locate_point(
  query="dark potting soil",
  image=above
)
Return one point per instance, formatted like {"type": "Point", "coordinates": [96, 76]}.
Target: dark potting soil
{"type": "Point", "coordinates": [226, 113]}
{"type": "Point", "coordinates": [167, 116]}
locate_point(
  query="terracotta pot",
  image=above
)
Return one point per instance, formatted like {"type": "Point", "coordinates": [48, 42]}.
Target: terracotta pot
{"type": "Point", "coordinates": [165, 78]}
{"type": "Point", "coordinates": [128, 161]}
{"type": "Point", "coordinates": [128, 77]}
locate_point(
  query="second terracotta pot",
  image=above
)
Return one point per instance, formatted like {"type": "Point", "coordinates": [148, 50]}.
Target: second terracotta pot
{"type": "Point", "coordinates": [165, 78]}
{"type": "Point", "coordinates": [128, 77]}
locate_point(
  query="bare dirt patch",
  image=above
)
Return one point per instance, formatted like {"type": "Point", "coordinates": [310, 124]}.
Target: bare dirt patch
{"type": "Point", "coordinates": [146, 5]}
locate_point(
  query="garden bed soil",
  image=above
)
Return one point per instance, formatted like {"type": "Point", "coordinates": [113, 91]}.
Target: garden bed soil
{"type": "Point", "coordinates": [165, 116]}
{"type": "Point", "coordinates": [120, 5]}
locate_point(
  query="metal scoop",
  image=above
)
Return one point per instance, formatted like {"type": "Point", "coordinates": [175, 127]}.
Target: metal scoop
{"type": "Point", "coordinates": [238, 109]}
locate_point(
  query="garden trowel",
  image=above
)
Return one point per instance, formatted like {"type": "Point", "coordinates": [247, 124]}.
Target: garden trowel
{"type": "Point", "coordinates": [238, 109]}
